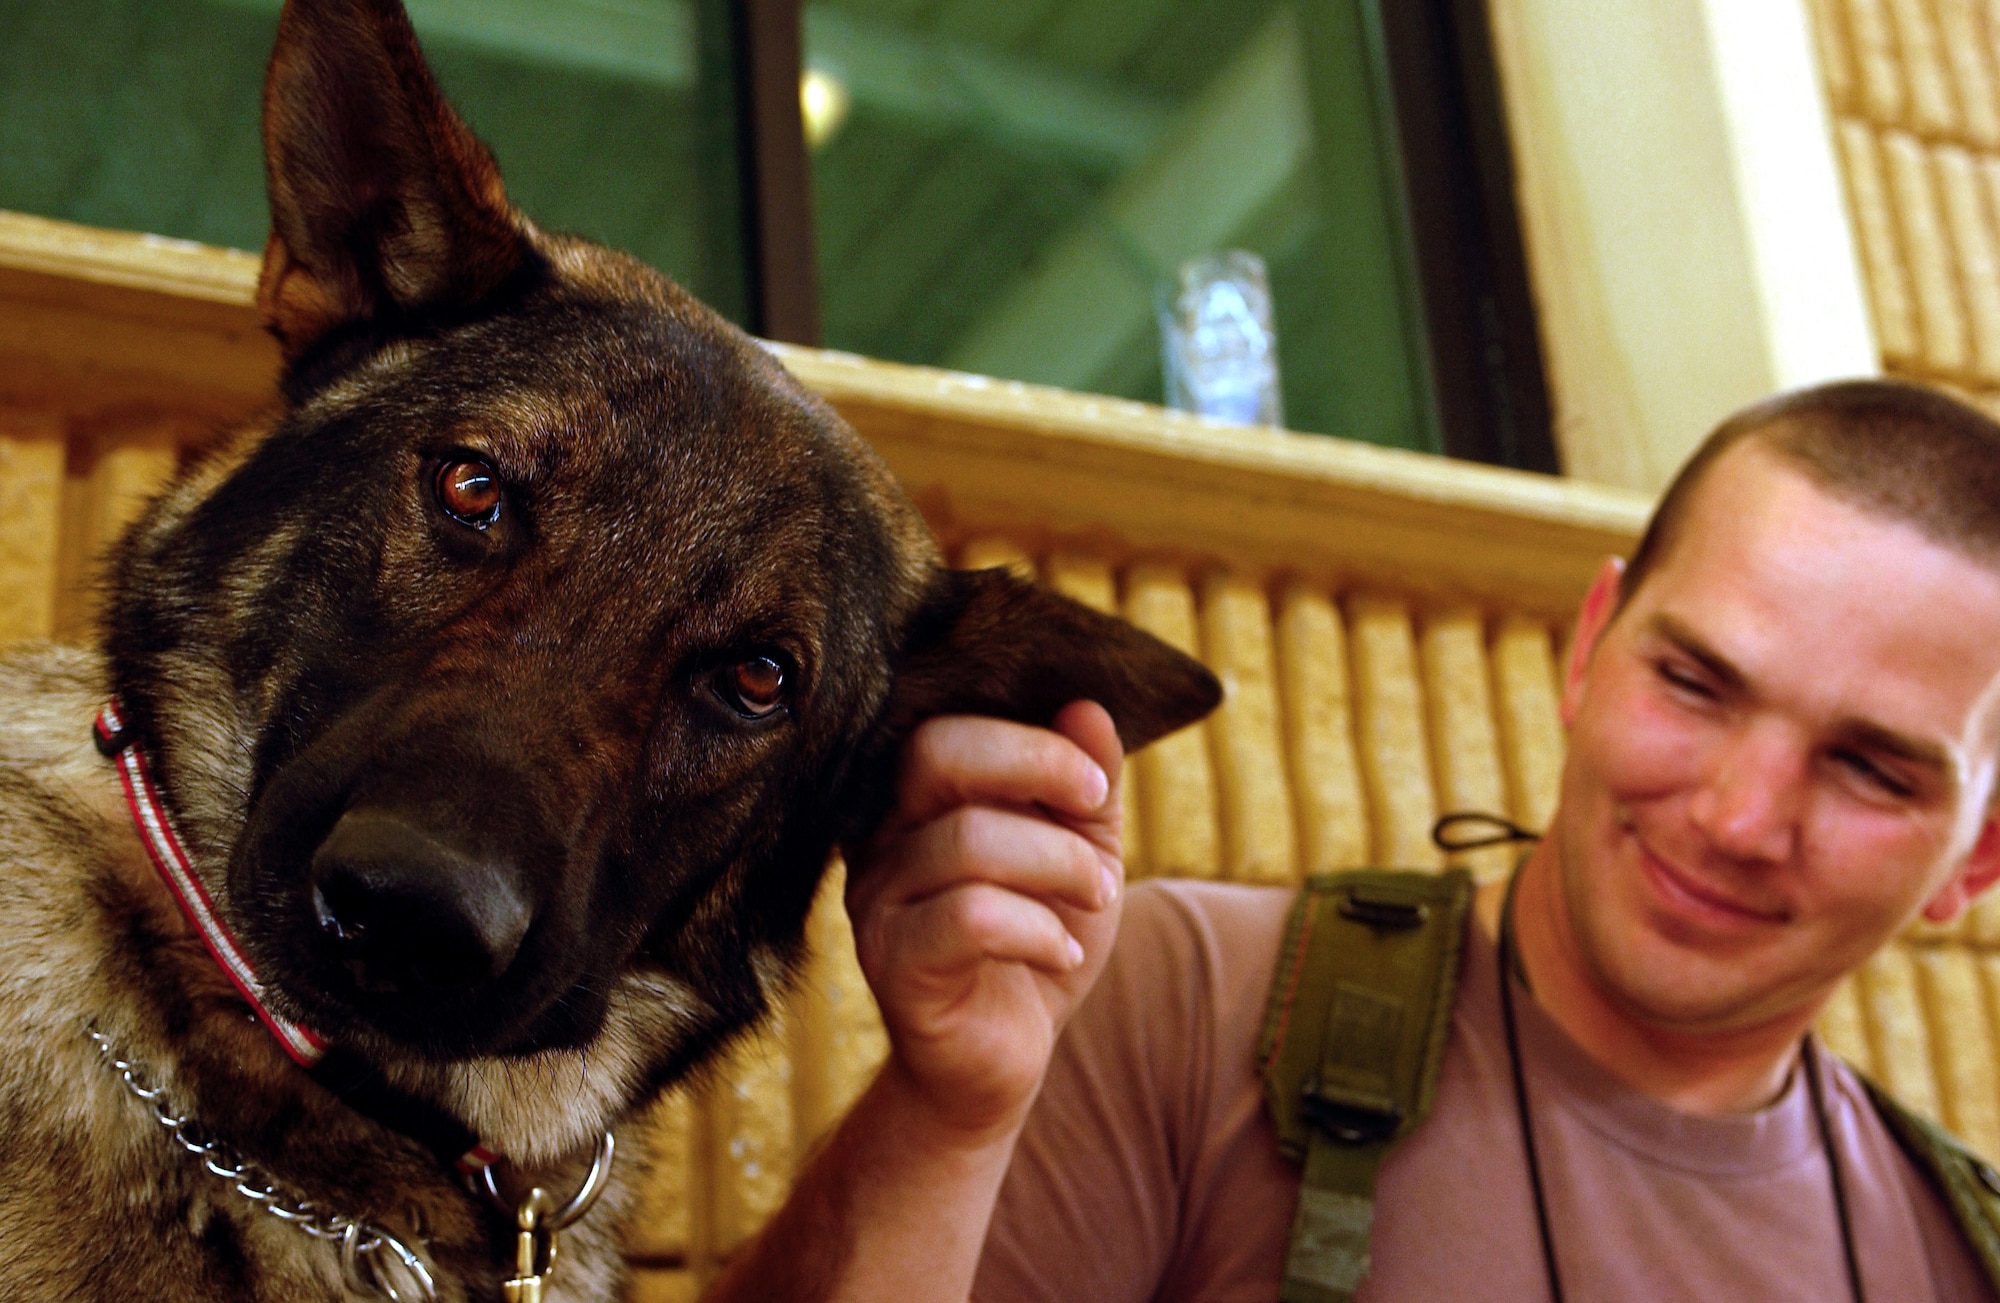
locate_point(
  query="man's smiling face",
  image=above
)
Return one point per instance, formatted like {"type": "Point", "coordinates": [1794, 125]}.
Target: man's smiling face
{"type": "Point", "coordinates": [1781, 749]}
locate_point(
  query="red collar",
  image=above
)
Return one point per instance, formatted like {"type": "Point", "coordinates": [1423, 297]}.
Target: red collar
{"type": "Point", "coordinates": [117, 740]}
{"type": "Point", "coordinates": [163, 845]}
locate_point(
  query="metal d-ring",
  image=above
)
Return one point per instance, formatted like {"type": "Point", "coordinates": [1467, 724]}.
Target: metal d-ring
{"type": "Point", "coordinates": [376, 1279]}
{"type": "Point", "coordinates": [580, 1202]}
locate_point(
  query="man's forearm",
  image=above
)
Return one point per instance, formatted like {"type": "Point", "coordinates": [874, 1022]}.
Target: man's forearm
{"type": "Point", "coordinates": [894, 1206]}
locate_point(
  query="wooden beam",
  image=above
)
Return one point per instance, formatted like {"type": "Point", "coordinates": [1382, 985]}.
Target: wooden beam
{"type": "Point", "coordinates": [95, 314]}
{"type": "Point", "coordinates": [1135, 480]}
{"type": "Point", "coordinates": [92, 320]}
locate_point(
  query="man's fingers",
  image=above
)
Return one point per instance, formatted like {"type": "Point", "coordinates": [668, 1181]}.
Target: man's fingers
{"type": "Point", "coordinates": [1014, 851]}
{"type": "Point", "coordinates": [975, 922]}
{"type": "Point", "coordinates": [1090, 726]}
{"type": "Point", "coordinates": [962, 759]}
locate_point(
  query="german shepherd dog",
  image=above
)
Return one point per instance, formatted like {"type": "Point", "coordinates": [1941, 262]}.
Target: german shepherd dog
{"type": "Point", "coordinates": [483, 716]}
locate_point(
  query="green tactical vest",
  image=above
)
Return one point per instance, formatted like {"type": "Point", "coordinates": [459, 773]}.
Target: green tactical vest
{"type": "Point", "coordinates": [1354, 1035]}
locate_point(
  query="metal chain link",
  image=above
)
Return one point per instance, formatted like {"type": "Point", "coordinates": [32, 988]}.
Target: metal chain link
{"type": "Point", "coordinates": [373, 1260]}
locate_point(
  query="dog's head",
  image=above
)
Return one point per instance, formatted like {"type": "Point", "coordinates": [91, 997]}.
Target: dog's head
{"type": "Point", "coordinates": [549, 635]}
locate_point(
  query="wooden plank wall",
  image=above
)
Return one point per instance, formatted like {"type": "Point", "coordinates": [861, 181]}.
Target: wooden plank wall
{"type": "Point", "coordinates": [1914, 89]}
{"type": "Point", "coordinates": [68, 487]}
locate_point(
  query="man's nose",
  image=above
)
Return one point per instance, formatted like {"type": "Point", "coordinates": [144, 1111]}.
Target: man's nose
{"type": "Point", "coordinates": [1751, 801]}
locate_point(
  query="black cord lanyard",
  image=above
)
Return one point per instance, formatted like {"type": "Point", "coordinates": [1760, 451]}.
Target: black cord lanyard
{"type": "Point", "coordinates": [1507, 962]}
{"type": "Point", "coordinates": [1808, 1054]}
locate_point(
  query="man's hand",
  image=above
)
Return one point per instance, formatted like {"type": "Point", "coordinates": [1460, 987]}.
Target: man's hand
{"type": "Point", "coordinates": [985, 906]}
{"type": "Point", "coordinates": [983, 909]}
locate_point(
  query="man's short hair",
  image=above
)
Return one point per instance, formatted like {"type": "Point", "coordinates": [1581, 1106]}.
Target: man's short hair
{"type": "Point", "coordinates": [1902, 452]}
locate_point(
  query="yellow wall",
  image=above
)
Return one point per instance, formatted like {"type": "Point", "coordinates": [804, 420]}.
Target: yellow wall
{"type": "Point", "coordinates": [1680, 205]}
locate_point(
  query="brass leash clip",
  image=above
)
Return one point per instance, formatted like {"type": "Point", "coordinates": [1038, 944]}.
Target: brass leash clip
{"type": "Point", "coordinates": [534, 1249]}
{"type": "Point", "coordinates": [537, 1222]}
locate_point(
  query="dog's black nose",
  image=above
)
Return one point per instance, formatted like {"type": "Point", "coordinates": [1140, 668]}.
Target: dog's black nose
{"type": "Point", "coordinates": [410, 915]}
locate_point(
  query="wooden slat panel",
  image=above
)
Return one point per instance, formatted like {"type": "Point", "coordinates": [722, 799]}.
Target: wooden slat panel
{"type": "Point", "coordinates": [986, 551]}
{"type": "Point", "coordinates": [1176, 781]}
{"type": "Point", "coordinates": [31, 493]}
{"type": "Point", "coordinates": [1395, 758]}
{"type": "Point", "coordinates": [746, 1124]}
{"type": "Point", "coordinates": [1084, 578]}
{"type": "Point", "coordinates": [1899, 1040]}
{"type": "Point", "coordinates": [1986, 170]}
{"type": "Point", "coordinates": [838, 1041]}
{"type": "Point", "coordinates": [1982, 922]}
{"type": "Point", "coordinates": [1836, 54]}
{"type": "Point", "coordinates": [1464, 738]}
{"type": "Point", "coordinates": [1319, 726]}
{"type": "Point", "coordinates": [1889, 292]}
{"type": "Point", "coordinates": [1988, 963]}
{"type": "Point", "coordinates": [1967, 220]}
{"type": "Point", "coordinates": [1844, 1028]}
{"type": "Point", "coordinates": [675, 1285]}
{"type": "Point", "coordinates": [1961, 1044]}
{"type": "Point", "coordinates": [1933, 271]}
{"type": "Point", "coordinates": [662, 1226]}
{"type": "Point", "coordinates": [1932, 108]}
{"type": "Point", "coordinates": [1089, 580]}
{"type": "Point", "coordinates": [1880, 72]}
{"type": "Point", "coordinates": [1924, 932]}
{"type": "Point", "coordinates": [106, 488]}
{"type": "Point", "coordinates": [1529, 710]}
{"type": "Point", "coordinates": [1968, 46]}
{"type": "Point", "coordinates": [1256, 806]}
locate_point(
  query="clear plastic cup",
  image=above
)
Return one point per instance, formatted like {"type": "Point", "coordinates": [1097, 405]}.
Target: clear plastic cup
{"type": "Point", "coordinates": [1218, 348]}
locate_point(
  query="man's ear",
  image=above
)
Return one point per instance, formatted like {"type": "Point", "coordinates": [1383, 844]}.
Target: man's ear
{"type": "Point", "coordinates": [988, 643]}
{"type": "Point", "coordinates": [382, 202]}
{"type": "Point", "coordinates": [1599, 605]}
{"type": "Point", "coordinates": [1979, 872]}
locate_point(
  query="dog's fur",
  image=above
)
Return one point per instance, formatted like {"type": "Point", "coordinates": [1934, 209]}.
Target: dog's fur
{"type": "Point", "coordinates": [298, 630]}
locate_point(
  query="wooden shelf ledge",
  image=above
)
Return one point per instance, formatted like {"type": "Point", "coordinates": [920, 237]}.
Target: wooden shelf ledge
{"type": "Point", "coordinates": [93, 319]}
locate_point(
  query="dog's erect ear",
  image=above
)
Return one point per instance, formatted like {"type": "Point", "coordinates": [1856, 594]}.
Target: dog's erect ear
{"type": "Point", "coordinates": [988, 643]}
{"type": "Point", "coordinates": [382, 201]}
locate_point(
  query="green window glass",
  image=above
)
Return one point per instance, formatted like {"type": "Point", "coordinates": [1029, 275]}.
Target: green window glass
{"type": "Point", "coordinates": [610, 118]}
{"type": "Point", "coordinates": [1011, 182]}
{"type": "Point", "coordinates": [995, 187]}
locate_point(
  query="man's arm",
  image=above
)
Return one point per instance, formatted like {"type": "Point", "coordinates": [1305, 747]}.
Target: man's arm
{"type": "Point", "coordinates": [983, 910]}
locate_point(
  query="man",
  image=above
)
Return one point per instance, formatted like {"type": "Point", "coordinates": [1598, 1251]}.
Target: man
{"type": "Point", "coordinates": [1784, 721]}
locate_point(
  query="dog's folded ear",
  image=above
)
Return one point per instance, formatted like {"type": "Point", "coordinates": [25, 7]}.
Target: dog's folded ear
{"type": "Point", "coordinates": [988, 643]}
{"type": "Point", "coordinates": [383, 203]}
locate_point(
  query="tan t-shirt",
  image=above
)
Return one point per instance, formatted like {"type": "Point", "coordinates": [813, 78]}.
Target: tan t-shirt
{"type": "Point", "coordinates": [1148, 1170]}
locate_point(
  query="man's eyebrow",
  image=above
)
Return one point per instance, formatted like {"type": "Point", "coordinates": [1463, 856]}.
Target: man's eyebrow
{"type": "Point", "coordinates": [1871, 736]}
{"type": "Point", "coordinates": [1690, 644]}
{"type": "Point", "coordinates": [1863, 734]}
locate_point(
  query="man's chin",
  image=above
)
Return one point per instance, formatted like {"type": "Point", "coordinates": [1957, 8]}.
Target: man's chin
{"type": "Point", "coordinates": [1672, 990]}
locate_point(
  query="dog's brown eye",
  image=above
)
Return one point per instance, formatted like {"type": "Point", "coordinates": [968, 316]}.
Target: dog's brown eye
{"type": "Point", "coordinates": [469, 491]}
{"type": "Point", "coordinates": [755, 686]}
